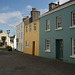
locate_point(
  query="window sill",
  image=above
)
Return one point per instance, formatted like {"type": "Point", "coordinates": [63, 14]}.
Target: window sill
{"type": "Point", "coordinates": [59, 28]}
{"type": "Point", "coordinates": [27, 47]}
{"type": "Point", "coordinates": [72, 27]}
{"type": "Point", "coordinates": [73, 56]}
{"type": "Point", "coordinates": [47, 30]}
{"type": "Point", "coordinates": [34, 30]}
{"type": "Point", "coordinates": [47, 51]}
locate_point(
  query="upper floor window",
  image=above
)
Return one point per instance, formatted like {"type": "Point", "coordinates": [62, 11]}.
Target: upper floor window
{"type": "Point", "coordinates": [73, 18]}
{"type": "Point", "coordinates": [30, 28]}
{"type": "Point", "coordinates": [59, 22]}
{"type": "Point", "coordinates": [26, 29]}
{"type": "Point", "coordinates": [73, 46]}
{"type": "Point", "coordinates": [34, 26]}
{"type": "Point", "coordinates": [48, 24]}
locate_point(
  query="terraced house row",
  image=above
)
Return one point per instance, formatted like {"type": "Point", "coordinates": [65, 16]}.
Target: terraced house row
{"type": "Point", "coordinates": [51, 35]}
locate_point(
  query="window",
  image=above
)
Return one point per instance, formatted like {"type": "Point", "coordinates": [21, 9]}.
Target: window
{"type": "Point", "coordinates": [30, 28]}
{"type": "Point", "coordinates": [34, 26]}
{"type": "Point", "coordinates": [48, 24]}
{"type": "Point", "coordinates": [73, 46]}
{"type": "Point", "coordinates": [73, 18]}
{"type": "Point", "coordinates": [59, 22]}
{"type": "Point", "coordinates": [26, 29]}
{"type": "Point", "coordinates": [27, 44]}
{"type": "Point", "coordinates": [47, 46]}
{"type": "Point", "coordinates": [21, 35]}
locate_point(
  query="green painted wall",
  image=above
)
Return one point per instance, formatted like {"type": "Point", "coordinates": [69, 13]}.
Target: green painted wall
{"type": "Point", "coordinates": [66, 34]}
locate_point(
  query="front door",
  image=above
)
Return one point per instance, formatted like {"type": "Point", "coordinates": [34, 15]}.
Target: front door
{"type": "Point", "coordinates": [59, 49]}
{"type": "Point", "coordinates": [33, 52]}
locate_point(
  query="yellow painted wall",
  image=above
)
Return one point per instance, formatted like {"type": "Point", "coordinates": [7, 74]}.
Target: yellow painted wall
{"type": "Point", "coordinates": [32, 36]}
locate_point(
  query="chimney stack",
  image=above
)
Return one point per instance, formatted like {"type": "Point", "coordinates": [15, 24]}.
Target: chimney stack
{"type": "Point", "coordinates": [34, 14]}
{"type": "Point", "coordinates": [58, 3]}
{"type": "Point", "coordinates": [25, 18]}
{"type": "Point", "coordinates": [1, 31]}
{"type": "Point", "coordinates": [52, 6]}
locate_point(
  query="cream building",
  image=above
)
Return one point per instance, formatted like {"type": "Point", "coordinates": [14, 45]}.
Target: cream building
{"type": "Point", "coordinates": [7, 38]}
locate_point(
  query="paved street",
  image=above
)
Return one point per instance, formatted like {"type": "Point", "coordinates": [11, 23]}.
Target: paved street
{"type": "Point", "coordinates": [17, 63]}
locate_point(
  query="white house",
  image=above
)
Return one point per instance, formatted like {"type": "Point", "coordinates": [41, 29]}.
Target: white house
{"type": "Point", "coordinates": [14, 42]}
{"type": "Point", "coordinates": [20, 37]}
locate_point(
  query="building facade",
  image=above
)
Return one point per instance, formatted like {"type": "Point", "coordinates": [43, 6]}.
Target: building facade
{"type": "Point", "coordinates": [32, 38]}
{"type": "Point", "coordinates": [7, 40]}
{"type": "Point", "coordinates": [31, 33]}
{"type": "Point", "coordinates": [20, 37]}
{"type": "Point", "coordinates": [57, 32]}
{"type": "Point", "coordinates": [15, 42]}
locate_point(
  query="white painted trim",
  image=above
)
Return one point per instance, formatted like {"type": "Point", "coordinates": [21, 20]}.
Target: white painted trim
{"type": "Point", "coordinates": [72, 27]}
{"type": "Point", "coordinates": [47, 30]}
{"type": "Point", "coordinates": [60, 28]}
{"type": "Point", "coordinates": [47, 50]}
{"type": "Point", "coordinates": [73, 47]}
{"type": "Point", "coordinates": [46, 44]}
{"type": "Point", "coordinates": [72, 18]}
{"type": "Point", "coordinates": [59, 8]}
{"type": "Point", "coordinates": [73, 56]}
{"type": "Point", "coordinates": [27, 47]}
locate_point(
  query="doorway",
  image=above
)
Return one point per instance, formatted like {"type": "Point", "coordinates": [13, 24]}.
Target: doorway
{"type": "Point", "coordinates": [33, 52]}
{"type": "Point", "coordinates": [59, 49]}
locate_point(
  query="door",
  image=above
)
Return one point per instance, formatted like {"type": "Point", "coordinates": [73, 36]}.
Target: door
{"type": "Point", "coordinates": [59, 49]}
{"type": "Point", "coordinates": [33, 52]}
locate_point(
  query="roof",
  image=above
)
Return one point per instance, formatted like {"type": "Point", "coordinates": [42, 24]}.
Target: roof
{"type": "Point", "coordinates": [71, 2]}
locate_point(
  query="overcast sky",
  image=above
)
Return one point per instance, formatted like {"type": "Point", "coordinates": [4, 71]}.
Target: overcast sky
{"type": "Point", "coordinates": [12, 11]}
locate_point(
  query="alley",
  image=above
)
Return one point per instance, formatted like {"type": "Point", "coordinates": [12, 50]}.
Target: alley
{"type": "Point", "coordinates": [17, 63]}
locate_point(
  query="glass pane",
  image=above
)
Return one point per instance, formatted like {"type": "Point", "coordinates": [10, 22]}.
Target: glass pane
{"type": "Point", "coordinates": [59, 21]}
{"type": "Point", "coordinates": [74, 50]}
{"type": "Point", "coordinates": [47, 44]}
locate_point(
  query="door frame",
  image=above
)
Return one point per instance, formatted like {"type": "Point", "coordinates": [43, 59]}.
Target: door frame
{"type": "Point", "coordinates": [33, 48]}
{"type": "Point", "coordinates": [59, 53]}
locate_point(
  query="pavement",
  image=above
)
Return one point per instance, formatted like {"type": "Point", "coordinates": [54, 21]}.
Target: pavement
{"type": "Point", "coordinates": [17, 63]}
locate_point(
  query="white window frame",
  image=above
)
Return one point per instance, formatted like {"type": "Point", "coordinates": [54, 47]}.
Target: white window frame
{"type": "Point", "coordinates": [47, 50]}
{"type": "Point", "coordinates": [59, 21]}
{"type": "Point", "coordinates": [73, 46]}
{"type": "Point", "coordinates": [27, 44]}
{"type": "Point", "coordinates": [26, 28]}
{"type": "Point", "coordinates": [73, 55]}
{"type": "Point", "coordinates": [47, 25]}
{"type": "Point", "coordinates": [21, 35]}
{"type": "Point", "coordinates": [34, 26]}
{"type": "Point", "coordinates": [30, 28]}
{"type": "Point", "coordinates": [73, 19]}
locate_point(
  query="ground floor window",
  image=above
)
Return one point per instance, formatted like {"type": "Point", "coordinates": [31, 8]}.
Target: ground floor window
{"type": "Point", "coordinates": [47, 45]}
{"type": "Point", "coordinates": [27, 44]}
{"type": "Point", "coordinates": [73, 46]}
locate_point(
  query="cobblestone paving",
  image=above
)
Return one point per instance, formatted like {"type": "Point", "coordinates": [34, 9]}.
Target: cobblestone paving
{"type": "Point", "coordinates": [17, 63]}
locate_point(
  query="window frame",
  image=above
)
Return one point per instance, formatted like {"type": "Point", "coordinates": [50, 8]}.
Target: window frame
{"type": "Point", "coordinates": [30, 28]}
{"type": "Point", "coordinates": [47, 50]}
{"type": "Point", "coordinates": [73, 46]}
{"type": "Point", "coordinates": [27, 44]}
{"type": "Point", "coordinates": [57, 26]}
{"type": "Point", "coordinates": [73, 18]}
{"type": "Point", "coordinates": [47, 25]}
{"type": "Point", "coordinates": [34, 26]}
{"type": "Point", "coordinates": [26, 28]}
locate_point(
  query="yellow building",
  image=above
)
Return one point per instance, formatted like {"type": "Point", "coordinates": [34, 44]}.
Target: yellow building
{"type": "Point", "coordinates": [31, 38]}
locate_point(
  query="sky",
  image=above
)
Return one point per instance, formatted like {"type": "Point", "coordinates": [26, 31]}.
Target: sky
{"type": "Point", "coordinates": [13, 11]}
